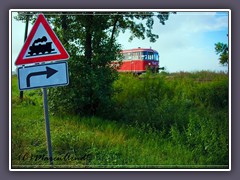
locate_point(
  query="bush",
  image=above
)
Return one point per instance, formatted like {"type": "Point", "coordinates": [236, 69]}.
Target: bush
{"type": "Point", "coordinates": [207, 137]}
{"type": "Point", "coordinates": [214, 94]}
{"type": "Point", "coordinates": [138, 99]}
{"type": "Point", "coordinates": [89, 91]}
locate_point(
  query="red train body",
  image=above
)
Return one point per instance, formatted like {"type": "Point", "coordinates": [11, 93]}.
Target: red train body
{"type": "Point", "coordinates": [139, 60]}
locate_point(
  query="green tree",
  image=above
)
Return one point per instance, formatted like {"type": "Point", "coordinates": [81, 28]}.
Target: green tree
{"type": "Point", "coordinates": [85, 37]}
{"type": "Point", "coordinates": [91, 40]}
{"type": "Point", "coordinates": [222, 50]}
{"type": "Point", "coordinates": [24, 17]}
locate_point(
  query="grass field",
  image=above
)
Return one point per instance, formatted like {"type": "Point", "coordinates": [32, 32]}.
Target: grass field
{"type": "Point", "coordinates": [185, 125]}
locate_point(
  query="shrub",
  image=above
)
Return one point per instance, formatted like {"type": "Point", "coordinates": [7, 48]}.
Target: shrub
{"type": "Point", "coordinates": [207, 137]}
{"type": "Point", "coordinates": [89, 90]}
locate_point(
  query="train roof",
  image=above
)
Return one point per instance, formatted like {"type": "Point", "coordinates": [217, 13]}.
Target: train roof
{"type": "Point", "coordinates": [138, 50]}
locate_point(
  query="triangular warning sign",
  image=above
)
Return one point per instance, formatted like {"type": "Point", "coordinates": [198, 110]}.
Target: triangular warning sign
{"type": "Point", "coordinates": [41, 45]}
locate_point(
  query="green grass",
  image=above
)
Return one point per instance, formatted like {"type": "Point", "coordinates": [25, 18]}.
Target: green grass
{"type": "Point", "coordinates": [89, 143]}
{"type": "Point", "coordinates": [128, 142]}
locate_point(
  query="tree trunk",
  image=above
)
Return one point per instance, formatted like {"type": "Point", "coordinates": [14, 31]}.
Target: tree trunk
{"type": "Point", "coordinates": [88, 44]}
{"type": "Point", "coordinates": [64, 27]}
{"type": "Point", "coordinates": [91, 107]}
{"type": "Point", "coordinates": [113, 30]}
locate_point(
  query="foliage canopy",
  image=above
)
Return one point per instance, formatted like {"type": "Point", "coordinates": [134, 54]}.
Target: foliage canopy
{"type": "Point", "coordinates": [91, 41]}
{"type": "Point", "coordinates": [222, 50]}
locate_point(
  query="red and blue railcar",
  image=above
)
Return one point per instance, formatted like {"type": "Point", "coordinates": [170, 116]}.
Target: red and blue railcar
{"type": "Point", "coordinates": [139, 60]}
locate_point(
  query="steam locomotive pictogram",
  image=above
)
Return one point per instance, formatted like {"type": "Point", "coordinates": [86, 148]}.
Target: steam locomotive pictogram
{"type": "Point", "coordinates": [41, 45]}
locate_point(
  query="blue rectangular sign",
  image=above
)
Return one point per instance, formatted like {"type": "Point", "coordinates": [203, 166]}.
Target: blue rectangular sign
{"type": "Point", "coordinates": [45, 75]}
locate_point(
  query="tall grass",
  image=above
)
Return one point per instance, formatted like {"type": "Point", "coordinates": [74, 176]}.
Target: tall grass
{"type": "Point", "coordinates": [188, 108]}
{"type": "Point", "coordinates": [91, 143]}
{"type": "Point", "coordinates": [155, 121]}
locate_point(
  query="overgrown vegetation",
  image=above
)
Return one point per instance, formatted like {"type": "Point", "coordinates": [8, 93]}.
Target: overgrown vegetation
{"type": "Point", "coordinates": [177, 120]}
{"type": "Point", "coordinates": [190, 108]}
{"type": "Point", "coordinates": [90, 38]}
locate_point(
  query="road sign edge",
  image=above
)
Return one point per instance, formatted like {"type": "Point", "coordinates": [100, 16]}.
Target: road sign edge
{"type": "Point", "coordinates": [45, 64]}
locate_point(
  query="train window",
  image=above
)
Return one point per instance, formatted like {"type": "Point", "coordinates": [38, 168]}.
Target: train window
{"type": "Point", "coordinates": [144, 55]}
{"type": "Point", "coordinates": [156, 56]}
{"type": "Point", "coordinates": [124, 56]}
{"type": "Point", "coordinates": [139, 55]}
{"type": "Point", "coordinates": [127, 56]}
{"type": "Point", "coordinates": [135, 55]}
{"type": "Point", "coordinates": [150, 56]}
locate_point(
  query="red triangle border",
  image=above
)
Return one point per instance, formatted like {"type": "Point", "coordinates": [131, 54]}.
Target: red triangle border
{"type": "Point", "coordinates": [63, 53]}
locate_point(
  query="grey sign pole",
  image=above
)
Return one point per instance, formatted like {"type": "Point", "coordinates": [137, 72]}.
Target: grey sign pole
{"type": "Point", "coordinates": [49, 144]}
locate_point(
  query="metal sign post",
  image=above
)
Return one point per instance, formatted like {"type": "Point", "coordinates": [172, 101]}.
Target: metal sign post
{"type": "Point", "coordinates": [48, 135]}
{"type": "Point", "coordinates": [43, 75]}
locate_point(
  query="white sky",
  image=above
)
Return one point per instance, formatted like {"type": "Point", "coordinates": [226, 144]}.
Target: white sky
{"type": "Point", "coordinates": [186, 41]}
